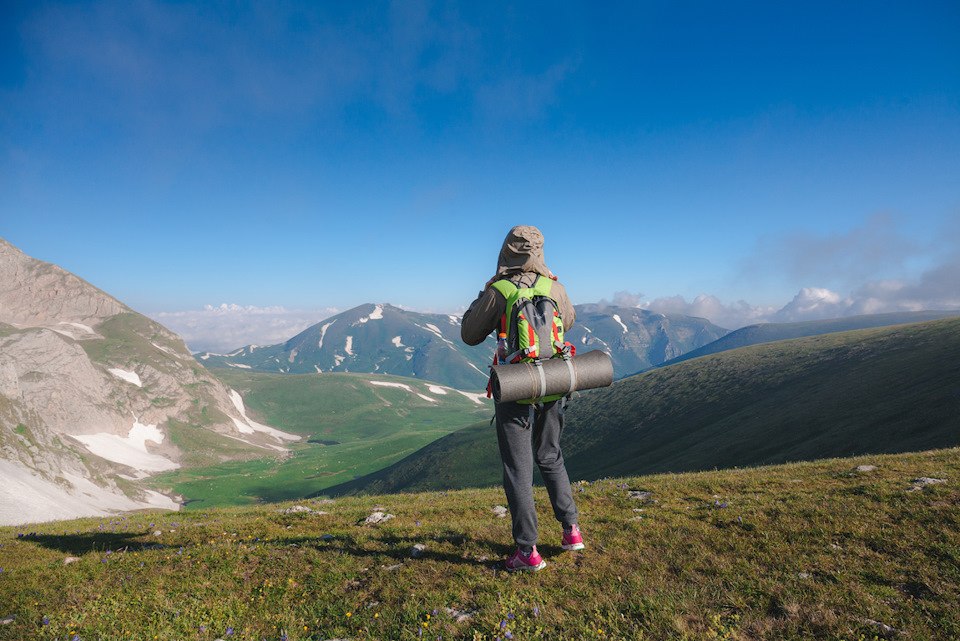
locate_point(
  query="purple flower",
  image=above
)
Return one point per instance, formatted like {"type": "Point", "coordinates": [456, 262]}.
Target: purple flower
{"type": "Point", "coordinates": [508, 635]}
{"type": "Point", "coordinates": [46, 621]}
{"type": "Point", "coordinates": [229, 631]}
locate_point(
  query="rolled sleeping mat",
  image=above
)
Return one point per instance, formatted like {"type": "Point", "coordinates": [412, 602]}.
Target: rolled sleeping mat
{"type": "Point", "coordinates": [524, 381]}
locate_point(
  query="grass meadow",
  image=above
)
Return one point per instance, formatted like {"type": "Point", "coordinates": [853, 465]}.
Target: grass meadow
{"type": "Point", "coordinates": [796, 551]}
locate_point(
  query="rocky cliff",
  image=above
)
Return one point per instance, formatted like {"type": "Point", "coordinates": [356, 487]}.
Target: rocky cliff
{"type": "Point", "coordinates": [95, 397]}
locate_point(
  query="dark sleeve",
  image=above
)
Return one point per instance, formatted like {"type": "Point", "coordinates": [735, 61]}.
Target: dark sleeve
{"type": "Point", "coordinates": [567, 312]}
{"type": "Point", "coordinates": [482, 317]}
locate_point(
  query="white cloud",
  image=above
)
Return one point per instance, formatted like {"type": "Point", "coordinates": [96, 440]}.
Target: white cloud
{"type": "Point", "coordinates": [228, 326]}
{"type": "Point", "coordinates": [936, 289]}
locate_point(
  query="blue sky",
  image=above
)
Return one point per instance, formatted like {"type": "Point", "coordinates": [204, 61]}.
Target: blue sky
{"type": "Point", "coordinates": [239, 171]}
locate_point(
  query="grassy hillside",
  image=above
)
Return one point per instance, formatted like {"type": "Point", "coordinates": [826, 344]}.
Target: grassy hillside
{"type": "Point", "coordinates": [771, 332]}
{"type": "Point", "coordinates": [800, 551]}
{"type": "Point", "coordinates": [892, 389]}
{"type": "Point", "coordinates": [352, 424]}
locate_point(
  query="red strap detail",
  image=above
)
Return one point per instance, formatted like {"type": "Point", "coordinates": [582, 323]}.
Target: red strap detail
{"type": "Point", "coordinates": [532, 341]}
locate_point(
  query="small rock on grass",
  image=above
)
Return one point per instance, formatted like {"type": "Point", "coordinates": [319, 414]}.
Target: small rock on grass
{"type": "Point", "coordinates": [865, 468]}
{"type": "Point", "coordinates": [377, 517]}
{"type": "Point", "coordinates": [70, 559]}
{"type": "Point", "coordinates": [461, 615]}
{"type": "Point", "coordinates": [417, 550]}
{"type": "Point", "coordinates": [887, 631]}
{"type": "Point", "coordinates": [922, 482]}
{"type": "Point", "coordinates": [500, 511]}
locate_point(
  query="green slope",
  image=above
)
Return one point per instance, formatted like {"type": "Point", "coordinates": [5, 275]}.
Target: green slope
{"type": "Point", "coordinates": [352, 424]}
{"type": "Point", "coordinates": [891, 389]}
{"type": "Point", "coordinates": [771, 332]}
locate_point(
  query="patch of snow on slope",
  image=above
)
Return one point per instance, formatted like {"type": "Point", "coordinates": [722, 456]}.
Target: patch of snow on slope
{"type": "Point", "coordinates": [616, 317]}
{"type": "Point", "coordinates": [26, 497]}
{"type": "Point", "coordinates": [338, 359]}
{"type": "Point", "coordinates": [130, 377]}
{"type": "Point", "coordinates": [239, 365]}
{"type": "Point", "coordinates": [130, 450]}
{"type": "Point", "coordinates": [476, 397]}
{"type": "Point", "coordinates": [436, 389]}
{"type": "Point", "coordinates": [396, 341]}
{"type": "Point", "coordinates": [323, 332]}
{"type": "Point", "coordinates": [348, 348]}
{"type": "Point", "coordinates": [376, 314]}
{"type": "Point", "coordinates": [430, 327]}
{"type": "Point", "coordinates": [404, 387]}
{"type": "Point", "coordinates": [250, 426]}
{"type": "Point", "coordinates": [478, 369]}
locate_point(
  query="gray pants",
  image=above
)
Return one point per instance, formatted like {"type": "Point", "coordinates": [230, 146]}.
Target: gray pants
{"type": "Point", "coordinates": [522, 444]}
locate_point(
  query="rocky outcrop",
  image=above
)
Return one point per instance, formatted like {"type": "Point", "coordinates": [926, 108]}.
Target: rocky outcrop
{"type": "Point", "coordinates": [91, 393]}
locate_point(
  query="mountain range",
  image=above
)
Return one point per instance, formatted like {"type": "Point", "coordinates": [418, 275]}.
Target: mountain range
{"type": "Point", "coordinates": [98, 401]}
{"type": "Point", "coordinates": [882, 390]}
{"type": "Point", "coordinates": [385, 339]}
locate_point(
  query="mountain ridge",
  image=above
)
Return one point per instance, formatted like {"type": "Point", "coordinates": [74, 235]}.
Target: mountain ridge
{"type": "Point", "coordinates": [381, 338]}
{"type": "Point", "coordinates": [93, 395]}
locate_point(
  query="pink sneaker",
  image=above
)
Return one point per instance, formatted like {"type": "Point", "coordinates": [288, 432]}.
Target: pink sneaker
{"type": "Point", "coordinates": [532, 563]}
{"type": "Point", "coordinates": [573, 540]}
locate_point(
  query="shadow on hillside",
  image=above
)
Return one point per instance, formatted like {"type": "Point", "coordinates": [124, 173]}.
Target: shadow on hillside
{"type": "Point", "coordinates": [78, 544]}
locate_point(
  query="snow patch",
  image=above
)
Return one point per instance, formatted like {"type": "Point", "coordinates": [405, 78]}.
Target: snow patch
{"type": "Point", "coordinates": [338, 359]}
{"type": "Point", "coordinates": [396, 342]}
{"type": "Point", "coordinates": [130, 450]}
{"type": "Point", "coordinates": [476, 397]}
{"type": "Point", "coordinates": [405, 387]}
{"type": "Point", "coordinates": [248, 426]}
{"type": "Point", "coordinates": [616, 317]}
{"type": "Point", "coordinates": [323, 332]}
{"type": "Point", "coordinates": [130, 377]}
{"type": "Point", "coordinates": [436, 389]}
{"type": "Point", "coordinates": [239, 365]}
{"type": "Point", "coordinates": [376, 314]}
{"type": "Point", "coordinates": [80, 326]}
{"type": "Point", "coordinates": [348, 348]}
{"type": "Point", "coordinates": [27, 497]}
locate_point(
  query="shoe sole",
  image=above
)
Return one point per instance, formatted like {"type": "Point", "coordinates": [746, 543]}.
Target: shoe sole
{"type": "Point", "coordinates": [528, 568]}
{"type": "Point", "coordinates": [573, 547]}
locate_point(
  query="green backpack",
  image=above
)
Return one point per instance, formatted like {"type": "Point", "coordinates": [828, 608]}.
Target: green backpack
{"type": "Point", "coordinates": [532, 323]}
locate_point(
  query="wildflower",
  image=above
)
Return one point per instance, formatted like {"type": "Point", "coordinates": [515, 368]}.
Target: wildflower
{"type": "Point", "coordinates": [508, 634]}
{"type": "Point", "coordinates": [46, 621]}
{"type": "Point", "coordinates": [229, 631]}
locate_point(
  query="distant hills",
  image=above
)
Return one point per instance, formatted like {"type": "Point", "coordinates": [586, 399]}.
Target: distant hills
{"type": "Point", "coordinates": [770, 332]}
{"type": "Point", "coordinates": [883, 390]}
{"type": "Point", "coordinates": [385, 339]}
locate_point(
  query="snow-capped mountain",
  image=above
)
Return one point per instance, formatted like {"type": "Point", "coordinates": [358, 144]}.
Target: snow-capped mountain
{"type": "Point", "coordinates": [388, 340]}
{"type": "Point", "coordinates": [372, 339]}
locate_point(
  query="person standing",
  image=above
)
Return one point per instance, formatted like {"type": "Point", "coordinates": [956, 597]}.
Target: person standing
{"type": "Point", "coordinates": [528, 432]}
